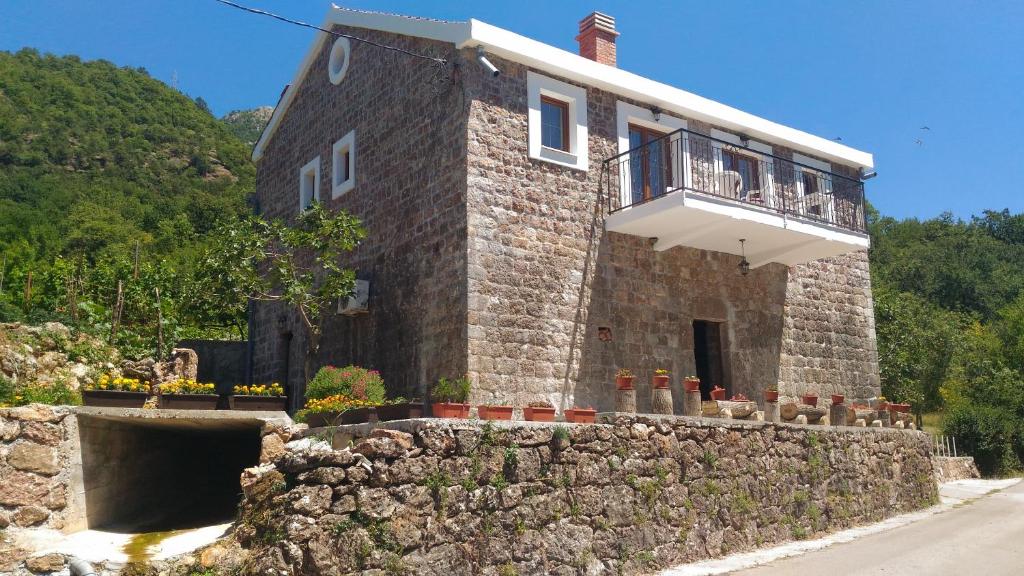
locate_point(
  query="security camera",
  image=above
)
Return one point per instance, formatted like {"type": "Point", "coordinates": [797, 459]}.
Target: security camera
{"type": "Point", "coordinates": [865, 175]}
{"type": "Point", "coordinates": [481, 56]}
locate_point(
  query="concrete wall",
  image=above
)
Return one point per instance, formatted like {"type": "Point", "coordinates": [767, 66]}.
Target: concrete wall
{"type": "Point", "coordinates": [220, 361]}
{"type": "Point", "coordinates": [453, 498]}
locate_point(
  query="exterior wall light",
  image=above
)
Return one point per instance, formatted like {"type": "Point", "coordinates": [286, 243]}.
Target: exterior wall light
{"type": "Point", "coordinates": [744, 265]}
{"type": "Point", "coordinates": [481, 57]}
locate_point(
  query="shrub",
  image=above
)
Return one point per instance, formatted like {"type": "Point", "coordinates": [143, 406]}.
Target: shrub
{"type": "Point", "coordinates": [456, 391]}
{"type": "Point", "coordinates": [991, 434]}
{"type": "Point", "coordinates": [351, 381]}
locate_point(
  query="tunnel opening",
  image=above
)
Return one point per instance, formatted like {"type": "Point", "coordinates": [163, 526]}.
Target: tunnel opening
{"type": "Point", "coordinates": [154, 474]}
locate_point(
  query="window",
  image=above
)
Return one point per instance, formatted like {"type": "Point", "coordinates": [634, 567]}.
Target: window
{"type": "Point", "coordinates": [813, 186]}
{"type": "Point", "coordinates": [557, 121]}
{"type": "Point", "coordinates": [343, 165]}
{"type": "Point", "coordinates": [649, 163]}
{"type": "Point", "coordinates": [554, 123]}
{"type": "Point", "coordinates": [337, 64]}
{"type": "Point", "coordinates": [746, 166]}
{"type": "Point", "coordinates": [658, 167]}
{"type": "Point", "coordinates": [309, 184]}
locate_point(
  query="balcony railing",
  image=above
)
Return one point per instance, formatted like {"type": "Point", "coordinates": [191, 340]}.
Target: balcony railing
{"type": "Point", "coordinates": [685, 160]}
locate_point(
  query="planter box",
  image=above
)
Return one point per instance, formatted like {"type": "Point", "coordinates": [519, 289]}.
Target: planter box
{"type": "Point", "coordinates": [258, 403]}
{"type": "Point", "coordinates": [405, 411]}
{"type": "Point", "coordinates": [494, 412]}
{"type": "Point", "coordinates": [539, 414]}
{"type": "Point", "coordinates": [580, 415]}
{"type": "Point", "coordinates": [321, 419]}
{"type": "Point", "coordinates": [449, 410]}
{"type": "Point", "coordinates": [359, 415]}
{"type": "Point", "coordinates": [188, 401]}
{"type": "Point", "coordinates": [114, 398]}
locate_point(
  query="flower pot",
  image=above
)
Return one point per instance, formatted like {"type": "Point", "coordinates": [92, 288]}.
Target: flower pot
{"type": "Point", "coordinates": [257, 403]}
{"type": "Point", "coordinates": [449, 410]}
{"type": "Point", "coordinates": [624, 382]}
{"type": "Point", "coordinates": [691, 385]}
{"type": "Point", "coordinates": [901, 408]}
{"type": "Point", "coordinates": [321, 419]}
{"type": "Point", "coordinates": [771, 395]}
{"type": "Point", "coordinates": [359, 415]}
{"type": "Point", "coordinates": [718, 394]}
{"type": "Point", "coordinates": [809, 399]}
{"type": "Point", "coordinates": [837, 399]}
{"type": "Point", "coordinates": [660, 382]}
{"type": "Point", "coordinates": [188, 401]}
{"type": "Point", "coordinates": [580, 415]}
{"type": "Point", "coordinates": [404, 411]}
{"type": "Point", "coordinates": [539, 413]}
{"type": "Point", "coordinates": [114, 398]}
{"type": "Point", "coordinates": [487, 412]}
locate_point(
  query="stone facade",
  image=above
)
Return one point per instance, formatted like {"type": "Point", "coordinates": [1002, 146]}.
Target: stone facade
{"type": "Point", "coordinates": [953, 468]}
{"type": "Point", "coordinates": [453, 497]}
{"type": "Point", "coordinates": [487, 262]}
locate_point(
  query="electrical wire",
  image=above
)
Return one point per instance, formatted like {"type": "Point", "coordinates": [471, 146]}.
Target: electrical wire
{"type": "Point", "coordinates": [441, 61]}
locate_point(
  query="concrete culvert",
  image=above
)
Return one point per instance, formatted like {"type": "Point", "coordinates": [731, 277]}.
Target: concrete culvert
{"type": "Point", "coordinates": [157, 474]}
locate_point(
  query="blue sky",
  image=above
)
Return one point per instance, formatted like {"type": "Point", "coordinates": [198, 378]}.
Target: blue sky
{"type": "Point", "coordinates": [870, 72]}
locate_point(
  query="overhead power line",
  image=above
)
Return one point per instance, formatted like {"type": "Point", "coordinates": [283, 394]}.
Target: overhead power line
{"type": "Point", "coordinates": [332, 33]}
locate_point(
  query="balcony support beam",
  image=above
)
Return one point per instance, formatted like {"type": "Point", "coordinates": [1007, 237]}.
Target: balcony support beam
{"type": "Point", "coordinates": [688, 236]}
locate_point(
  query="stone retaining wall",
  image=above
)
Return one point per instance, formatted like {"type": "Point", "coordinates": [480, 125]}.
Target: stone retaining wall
{"type": "Point", "coordinates": [949, 469]}
{"type": "Point", "coordinates": [454, 497]}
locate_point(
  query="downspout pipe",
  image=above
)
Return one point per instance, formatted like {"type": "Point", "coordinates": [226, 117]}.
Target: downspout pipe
{"type": "Point", "coordinates": [80, 567]}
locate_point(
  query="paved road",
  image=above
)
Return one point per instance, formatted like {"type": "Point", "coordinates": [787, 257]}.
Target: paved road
{"type": "Point", "coordinates": [983, 537]}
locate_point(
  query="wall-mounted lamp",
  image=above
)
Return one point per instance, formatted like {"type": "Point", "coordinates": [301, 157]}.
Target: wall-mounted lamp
{"type": "Point", "coordinates": [745, 140]}
{"type": "Point", "coordinates": [867, 175]}
{"type": "Point", "coordinates": [481, 57]}
{"type": "Point", "coordinates": [656, 112]}
{"type": "Point", "coordinates": [744, 265]}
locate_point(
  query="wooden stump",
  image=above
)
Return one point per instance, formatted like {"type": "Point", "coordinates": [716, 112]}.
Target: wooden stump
{"type": "Point", "coordinates": [738, 409]}
{"type": "Point", "coordinates": [860, 423]}
{"type": "Point", "coordinates": [883, 416]}
{"type": "Point", "coordinates": [866, 414]}
{"type": "Point", "coordinates": [837, 415]}
{"type": "Point", "coordinates": [791, 411]}
{"type": "Point", "coordinates": [661, 401]}
{"type": "Point", "coordinates": [771, 412]}
{"type": "Point", "coordinates": [625, 401]}
{"type": "Point", "coordinates": [691, 403]}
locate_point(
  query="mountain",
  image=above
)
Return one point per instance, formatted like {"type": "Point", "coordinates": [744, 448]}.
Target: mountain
{"type": "Point", "coordinates": [248, 124]}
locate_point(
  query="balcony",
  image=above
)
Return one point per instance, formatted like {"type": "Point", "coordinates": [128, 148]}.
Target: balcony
{"type": "Point", "coordinates": [688, 189]}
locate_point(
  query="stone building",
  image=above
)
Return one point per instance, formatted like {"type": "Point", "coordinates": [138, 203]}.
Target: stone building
{"type": "Point", "coordinates": [538, 219]}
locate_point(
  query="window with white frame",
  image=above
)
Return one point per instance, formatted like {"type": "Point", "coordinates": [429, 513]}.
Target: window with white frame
{"type": "Point", "coordinates": [656, 168]}
{"type": "Point", "coordinates": [309, 184]}
{"type": "Point", "coordinates": [337, 64]}
{"type": "Point", "coordinates": [743, 172]}
{"type": "Point", "coordinates": [813, 183]}
{"type": "Point", "coordinates": [557, 119]}
{"type": "Point", "coordinates": [343, 165]}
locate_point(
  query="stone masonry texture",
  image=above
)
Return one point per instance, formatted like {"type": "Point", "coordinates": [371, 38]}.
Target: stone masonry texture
{"type": "Point", "coordinates": [35, 466]}
{"type": "Point", "coordinates": [627, 497]}
{"type": "Point", "coordinates": [486, 262]}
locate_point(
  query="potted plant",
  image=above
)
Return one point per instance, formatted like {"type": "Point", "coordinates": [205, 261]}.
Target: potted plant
{"type": "Point", "coordinates": [450, 397]}
{"type": "Point", "coordinates": [771, 394]}
{"type": "Point", "coordinates": [838, 399]}
{"type": "Point", "coordinates": [187, 394]}
{"type": "Point", "coordinates": [691, 384]}
{"type": "Point", "coordinates": [116, 392]}
{"type": "Point", "coordinates": [541, 411]}
{"type": "Point", "coordinates": [660, 378]}
{"type": "Point", "coordinates": [882, 403]}
{"type": "Point", "coordinates": [348, 395]}
{"type": "Point", "coordinates": [718, 393]}
{"type": "Point", "coordinates": [265, 397]}
{"type": "Point", "coordinates": [399, 409]}
{"type": "Point", "coordinates": [337, 409]}
{"type": "Point", "coordinates": [580, 415]}
{"type": "Point", "coordinates": [624, 379]}
{"type": "Point", "coordinates": [902, 408]}
{"type": "Point", "coordinates": [741, 397]}
{"type": "Point", "coordinates": [809, 398]}
{"type": "Point", "coordinates": [494, 412]}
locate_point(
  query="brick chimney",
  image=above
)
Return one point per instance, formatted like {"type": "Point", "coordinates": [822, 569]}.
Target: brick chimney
{"type": "Point", "coordinates": [597, 38]}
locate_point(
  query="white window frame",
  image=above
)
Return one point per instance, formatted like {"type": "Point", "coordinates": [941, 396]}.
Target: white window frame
{"type": "Point", "coordinates": [626, 114]}
{"type": "Point", "coordinates": [312, 167]}
{"type": "Point", "coordinates": [341, 49]}
{"type": "Point", "coordinates": [818, 168]}
{"type": "Point", "coordinates": [346, 143]}
{"type": "Point", "coordinates": [577, 157]}
{"type": "Point", "coordinates": [752, 148]}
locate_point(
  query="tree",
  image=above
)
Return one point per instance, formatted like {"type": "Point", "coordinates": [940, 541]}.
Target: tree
{"type": "Point", "coordinates": [296, 265]}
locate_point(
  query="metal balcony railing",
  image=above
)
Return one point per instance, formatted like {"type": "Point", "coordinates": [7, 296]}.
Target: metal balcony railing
{"type": "Point", "coordinates": [685, 160]}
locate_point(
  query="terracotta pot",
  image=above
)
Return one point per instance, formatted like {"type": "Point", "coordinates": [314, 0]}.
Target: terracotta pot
{"type": "Point", "coordinates": [114, 398]}
{"type": "Point", "coordinates": [189, 401]}
{"type": "Point", "coordinates": [837, 399]}
{"type": "Point", "coordinates": [809, 399]}
{"type": "Point", "coordinates": [901, 408]}
{"type": "Point", "coordinates": [660, 382]}
{"type": "Point", "coordinates": [257, 403]}
{"type": "Point", "coordinates": [580, 415]}
{"type": "Point", "coordinates": [487, 412]}
{"type": "Point", "coordinates": [882, 406]}
{"type": "Point", "coordinates": [691, 385]}
{"type": "Point", "coordinates": [449, 410]}
{"type": "Point", "coordinates": [405, 411]}
{"type": "Point", "coordinates": [771, 395]}
{"type": "Point", "coordinates": [718, 394]}
{"type": "Point", "coordinates": [624, 382]}
{"type": "Point", "coordinates": [539, 413]}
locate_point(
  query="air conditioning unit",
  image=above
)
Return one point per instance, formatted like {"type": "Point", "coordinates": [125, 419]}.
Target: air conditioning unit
{"type": "Point", "coordinates": [358, 302]}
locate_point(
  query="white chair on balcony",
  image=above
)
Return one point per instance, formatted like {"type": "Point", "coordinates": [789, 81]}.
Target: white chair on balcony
{"type": "Point", "coordinates": [730, 184]}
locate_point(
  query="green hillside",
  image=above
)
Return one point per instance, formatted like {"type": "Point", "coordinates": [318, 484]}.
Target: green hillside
{"type": "Point", "coordinates": [248, 124]}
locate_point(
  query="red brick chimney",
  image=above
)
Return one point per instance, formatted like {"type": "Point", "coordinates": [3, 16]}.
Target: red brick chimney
{"type": "Point", "coordinates": [597, 38]}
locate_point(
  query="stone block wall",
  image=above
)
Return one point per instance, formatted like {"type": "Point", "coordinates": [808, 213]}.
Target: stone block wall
{"type": "Point", "coordinates": [639, 493]}
{"type": "Point", "coordinates": [953, 468]}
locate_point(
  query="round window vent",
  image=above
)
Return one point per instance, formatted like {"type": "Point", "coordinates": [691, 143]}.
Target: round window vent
{"type": "Point", "coordinates": [338, 64]}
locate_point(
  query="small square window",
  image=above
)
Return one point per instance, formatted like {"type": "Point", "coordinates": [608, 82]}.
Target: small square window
{"type": "Point", "coordinates": [309, 184]}
{"type": "Point", "coordinates": [343, 165]}
{"type": "Point", "coordinates": [554, 123]}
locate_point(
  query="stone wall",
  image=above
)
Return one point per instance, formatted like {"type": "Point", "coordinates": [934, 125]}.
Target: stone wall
{"type": "Point", "coordinates": [952, 468]}
{"type": "Point", "coordinates": [36, 467]}
{"type": "Point", "coordinates": [453, 497]}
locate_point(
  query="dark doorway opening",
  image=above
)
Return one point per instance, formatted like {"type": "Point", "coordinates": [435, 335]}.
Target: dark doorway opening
{"type": "Point", "coordinates": [707, 353]}
{"type": "Point", "coordinates": [157, 474]}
